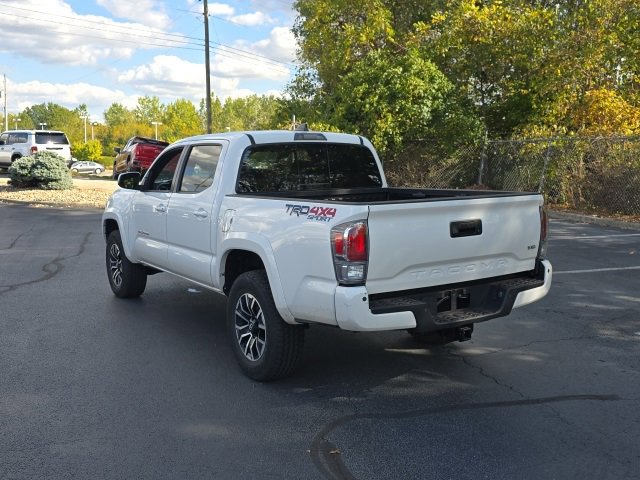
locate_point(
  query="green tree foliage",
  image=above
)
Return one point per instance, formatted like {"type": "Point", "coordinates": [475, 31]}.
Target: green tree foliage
{"type": "Point", "coordinates": [92, 150]}
{"type": "Point", "coordinates": [149, 109]}
{"type": "Point", "coordinates": [180, 120]}
{"type": "Point", "coordinates": [392, 98]}
{"type": "Point", "coordinates": [55, 116]}
{"type": "Point", "coordinates": [118, 114]}
{"type": "Point", "coordinates": [44, 170]}
{"type": "Point", "coordinates": [519, 65]}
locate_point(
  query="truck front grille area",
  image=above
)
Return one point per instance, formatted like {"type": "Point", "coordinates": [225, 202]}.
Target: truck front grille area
{"type": "Point", "coordinates": [459, 304]}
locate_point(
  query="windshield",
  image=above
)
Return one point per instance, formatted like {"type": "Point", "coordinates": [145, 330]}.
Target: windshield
{"type": "Point", "coordinates": [51, 137]}
{"type": "Point", "coordinates": [307, 166]}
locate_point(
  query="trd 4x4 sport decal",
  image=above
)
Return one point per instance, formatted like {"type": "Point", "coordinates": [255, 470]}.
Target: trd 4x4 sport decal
{"type": "Point", "coordinates": [321, 214]}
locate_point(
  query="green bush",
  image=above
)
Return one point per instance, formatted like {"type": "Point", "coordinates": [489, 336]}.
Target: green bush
{"type": "Point", "coordinates": [45, 170]}
{"type": "Point", "coordinates": [91, 150]}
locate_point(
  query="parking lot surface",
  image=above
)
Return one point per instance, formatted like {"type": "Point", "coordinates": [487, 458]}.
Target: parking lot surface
{"type": "Point", "coordinates": [92, 386]}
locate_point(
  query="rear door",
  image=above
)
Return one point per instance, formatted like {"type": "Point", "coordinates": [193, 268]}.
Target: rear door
{"type": "Point", "coordinates": [416, 245]}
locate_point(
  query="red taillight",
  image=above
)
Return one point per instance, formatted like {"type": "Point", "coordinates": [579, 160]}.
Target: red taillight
{"type": "Point", "coordinates": [337, 241]}
{"type": "Point", "coordinates": [350, 248]}
{"type": "Point", "coordinates": [34, 149]}
{"type": "Point", "coordinates": [356, 237]}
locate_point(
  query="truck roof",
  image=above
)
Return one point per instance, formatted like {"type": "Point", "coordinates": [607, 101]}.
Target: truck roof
{"type": "Point", "coordinates": [279, 136]}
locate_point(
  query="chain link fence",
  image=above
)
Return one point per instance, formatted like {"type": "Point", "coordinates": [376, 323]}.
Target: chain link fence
{"type": "Point", "coordinates": [587, 174]}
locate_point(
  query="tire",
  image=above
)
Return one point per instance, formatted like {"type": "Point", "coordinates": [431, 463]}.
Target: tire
{"type": "Point", "coordinates": [98, 171]}
{"type": "Point", "coordinates": [266, 347]}
{"type": "Point", "coordinates": [127, 280]}
{"type": "Point", "coordinates": [74, 171]}
{"type": "Point", "coordinates": [115, 173]}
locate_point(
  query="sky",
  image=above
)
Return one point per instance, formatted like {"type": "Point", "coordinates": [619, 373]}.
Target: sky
{"type": "Point", "coordinates": [99, 52]}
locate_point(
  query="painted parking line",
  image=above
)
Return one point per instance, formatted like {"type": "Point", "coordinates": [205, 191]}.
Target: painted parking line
{"type": "Point", "coordinates": [593, 237]}
{"type": "Point", "coordinates": [596, 270]}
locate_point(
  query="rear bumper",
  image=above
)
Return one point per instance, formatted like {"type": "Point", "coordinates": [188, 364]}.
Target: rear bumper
{"type": "Point", "coordinates": [440, 308]}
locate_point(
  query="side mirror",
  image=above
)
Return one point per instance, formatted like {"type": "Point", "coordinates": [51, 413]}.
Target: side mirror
{"type": "Point", "coordinates": [117, 149]}
{"type": "Point", "coordinates": [130, 180]}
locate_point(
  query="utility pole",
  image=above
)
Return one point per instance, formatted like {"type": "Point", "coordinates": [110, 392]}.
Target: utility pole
{"type": "Point", "coordinates": [4, 94]}
{"type": "Point", "coordinates": [207, 67]}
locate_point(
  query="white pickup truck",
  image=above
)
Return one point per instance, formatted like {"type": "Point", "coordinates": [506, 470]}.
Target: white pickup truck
{"type": "Point", "coordinates": [300, 228]}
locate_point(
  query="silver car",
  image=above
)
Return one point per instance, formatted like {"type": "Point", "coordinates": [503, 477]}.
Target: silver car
{"type": "Point", "coordinates": [86, 166]}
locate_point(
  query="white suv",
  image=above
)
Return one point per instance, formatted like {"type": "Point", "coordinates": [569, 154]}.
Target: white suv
{"type": "Point", "coordinates": [21, 143]}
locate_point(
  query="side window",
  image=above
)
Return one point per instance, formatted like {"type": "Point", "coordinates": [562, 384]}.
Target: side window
{"type": "Point", "coordinates": [162, 172]}
{"type": "Point", "coordinates": [17, 138]}
{"type": "Point", "coordinates": [200, 168]}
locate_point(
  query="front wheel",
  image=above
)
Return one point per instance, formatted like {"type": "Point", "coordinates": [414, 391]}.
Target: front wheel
{"type": "Point", "coordinates": [266, 347]}
{"type": "Point", "coordinates": [127, 280]}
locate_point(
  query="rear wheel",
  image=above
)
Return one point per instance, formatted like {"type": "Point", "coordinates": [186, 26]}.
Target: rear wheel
{"type": "Point", "coordinates": [127, 280]}
{"type": "Point", "coordinates": [266, 347]}
{"type": "Point", "coordinates": [74, 171]}
{"type": "Point", "coordinates": [98, 171]}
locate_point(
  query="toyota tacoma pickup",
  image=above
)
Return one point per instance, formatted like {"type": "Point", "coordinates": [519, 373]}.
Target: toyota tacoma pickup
{"type": "Point", "coordinates": [300, 228]}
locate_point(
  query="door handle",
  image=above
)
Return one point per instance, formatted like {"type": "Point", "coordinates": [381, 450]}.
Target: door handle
{"type": "Point", "coordinates": [160, 208]}
{"type": "Point", "coordinates": [201, 213]}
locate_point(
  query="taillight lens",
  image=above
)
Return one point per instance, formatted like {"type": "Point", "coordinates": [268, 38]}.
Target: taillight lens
{"type": "Point", "coordinates": [544, 228]}
{"type": "Point", "coordinates": [34, 149]}
{"type": "Point", "coordinates": [350, 249]}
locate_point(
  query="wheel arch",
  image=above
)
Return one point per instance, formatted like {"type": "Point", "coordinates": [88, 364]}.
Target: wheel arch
{"type": "Point", "coordinates": [245, 256]}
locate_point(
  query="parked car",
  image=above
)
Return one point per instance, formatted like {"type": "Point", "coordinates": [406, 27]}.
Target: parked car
{"type": "Point", "coordinates": [15, 144]}
{"type": "Point", "coordinates": [137, 155]}
{"type": "Point", "coordinates": [86, 166]}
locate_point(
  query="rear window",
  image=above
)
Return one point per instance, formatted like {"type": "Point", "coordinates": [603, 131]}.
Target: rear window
{"type": "Point", "coordinates": [51, 137]}
{"type": "Point", "coordinates": [310, 166]}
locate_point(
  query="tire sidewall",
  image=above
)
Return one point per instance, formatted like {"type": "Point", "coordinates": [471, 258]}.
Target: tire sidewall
{"type": "Point", "coordinates": [251, 283]}
{"type": "Point", "coordinates": [134, 278]}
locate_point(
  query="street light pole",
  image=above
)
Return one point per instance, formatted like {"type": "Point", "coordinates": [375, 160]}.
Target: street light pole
{"type": "Point", "coordinates": [92, 125]}
{"type": "Point", "coordinates": [156, 124]}
{"type": "Point", "coordinates": [84, 117]}
{"type": "Point", "coordinates": [16, 121]}
{"type": "Point", "coordinates": [42, 125]}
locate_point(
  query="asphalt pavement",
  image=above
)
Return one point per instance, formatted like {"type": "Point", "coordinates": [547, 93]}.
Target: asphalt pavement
{"type": "Point", "coordinates": [94, 387]}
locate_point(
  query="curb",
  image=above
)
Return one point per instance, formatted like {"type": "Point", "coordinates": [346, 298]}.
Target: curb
{"type": "Point", "coordinates": [594, 219]}
{"type": "Point", "coordinates": [59, 206]}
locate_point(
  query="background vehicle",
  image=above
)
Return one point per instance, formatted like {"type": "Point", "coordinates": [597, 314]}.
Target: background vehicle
{"type": "Point", "coordinates": [137, 155]}
{"type": "Point", "coordinates": [22, 143]}
{"type": "Point", "coordinates": [86, 166]}
{"type": "Point", "coordinates": [300, 228]}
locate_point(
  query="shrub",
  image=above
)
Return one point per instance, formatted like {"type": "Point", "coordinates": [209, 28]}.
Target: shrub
{"type": "Point", "coordinates": [45, 170]}
{"type": "Point", "coordinates": [91, 150]}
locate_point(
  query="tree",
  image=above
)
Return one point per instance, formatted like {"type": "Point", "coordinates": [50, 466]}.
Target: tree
{"type": "Point", "coordinates": [180, 120]}
{"type": "Point", "coordinates": [396, 98]}
{"type": "Point", "coordinates": [117, 114]}
{"type": "Point", "coordinates": [149, 109]}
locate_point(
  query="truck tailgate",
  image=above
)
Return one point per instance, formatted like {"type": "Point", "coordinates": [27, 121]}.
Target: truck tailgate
{"type": "Point", "coordinates": [424, 244]}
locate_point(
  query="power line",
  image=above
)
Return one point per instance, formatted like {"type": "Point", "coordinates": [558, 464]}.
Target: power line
{"type": "Point", "coordinates": [181, 39]}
